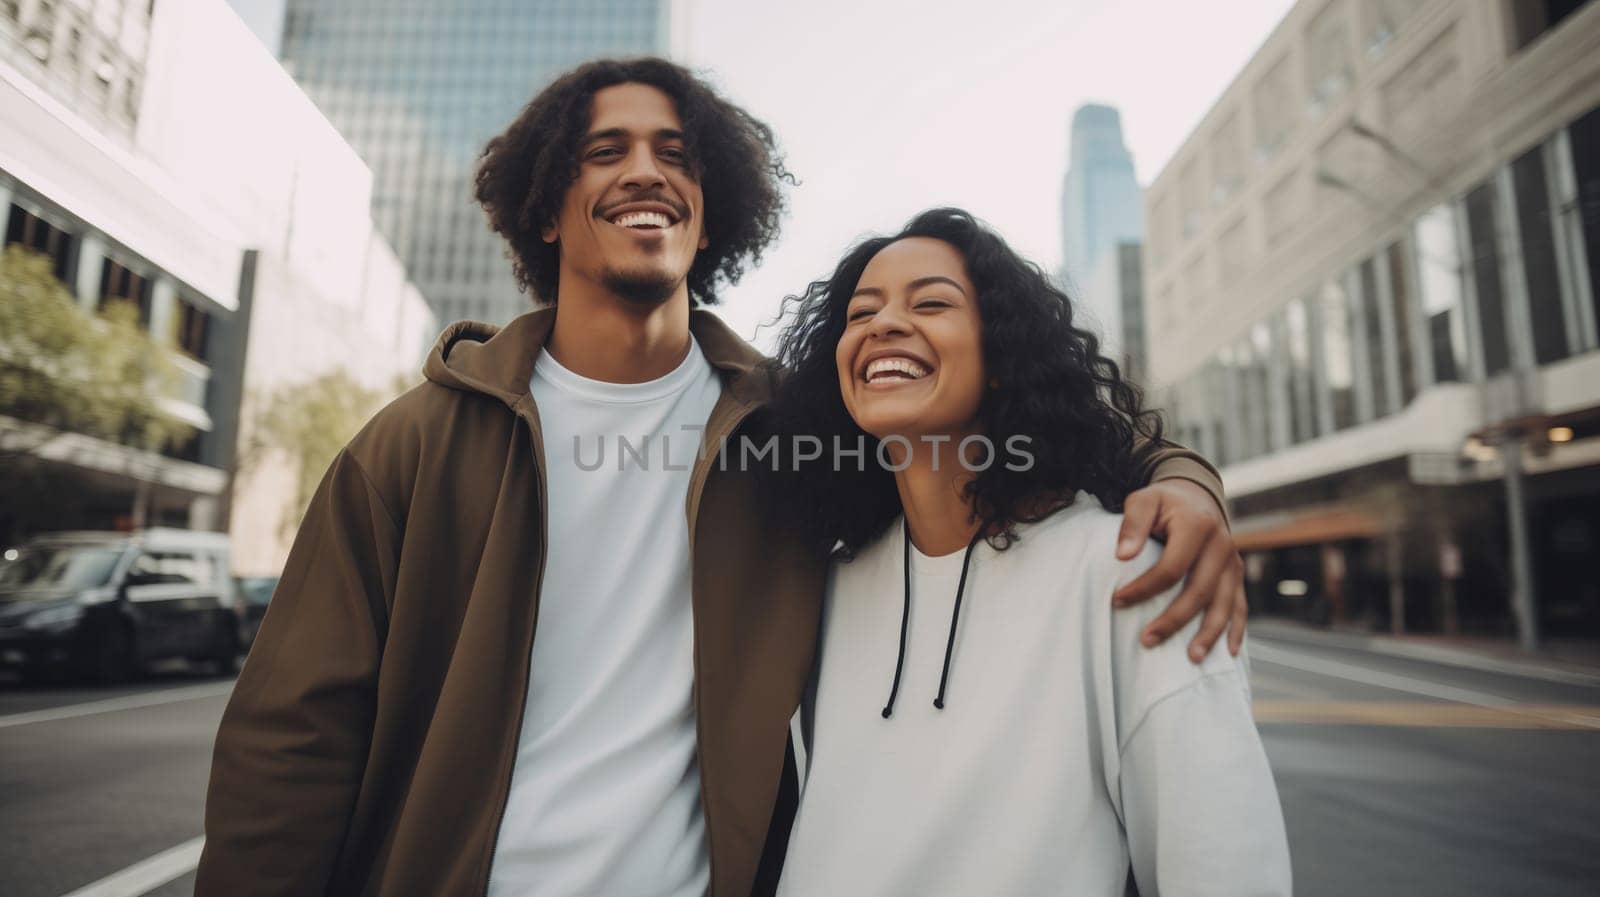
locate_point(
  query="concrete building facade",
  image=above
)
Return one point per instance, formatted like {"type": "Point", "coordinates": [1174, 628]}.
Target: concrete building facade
{"type": "Point", "coordinates": [1371, 278]}
{"type": "Point", "coordinates": [221, 201]}
{"type": "Point", "coordinates": [419, 88]}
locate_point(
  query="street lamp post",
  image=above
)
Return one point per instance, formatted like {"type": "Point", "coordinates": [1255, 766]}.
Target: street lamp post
{"type": "Point", "coordinates": [1524, 594]}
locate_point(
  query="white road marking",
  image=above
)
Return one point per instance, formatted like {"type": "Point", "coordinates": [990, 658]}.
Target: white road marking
{"type": "Point", "coordinates": [1271, 654]}
{"type": "Point", "coordinates": [1524, 669]}
{"type": "Point", "coordinates": [111, 705]}
{"type": "Point", "coordinates": [1275, 684]}
{"type": "Point", "coordinates": [147, 875]}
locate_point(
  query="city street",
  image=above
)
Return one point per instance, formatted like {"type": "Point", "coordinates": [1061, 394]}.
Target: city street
{"type": "Point", "coordinates": [1398, 777]}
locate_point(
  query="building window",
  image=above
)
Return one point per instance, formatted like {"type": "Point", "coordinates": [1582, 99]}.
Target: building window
{"type": "Point", "coordinates": [1233, 250]}
{"type": "Point", "coordinates": [41, 236]}
{"type": "Point", "coordinates": [1192, 196]}
{"type": "Point", "coordinates": [1302, 377]}
{"type": "Point", "coordinates": [130, 99]}
{"type": "Point", "coordinates": [1215, 377]}
{"type": "Point", "coordinates": [1235, 404]}
{"type": "Point", "coordinates": [1261, 394]}
{"type": "Point", "coordinates": [1539, 265]}
{"type": "Point", "coordinates": [74, 46]}
{"type": "Point", "coordinates": [1333, 313]}
{"type": "Point", "coordinates": [1584, 135]}
{"type": "Point", "coordinates": [119, 283]}
{"type": "Point", "coordinates": [1484, 255]}
{"type": "Point", "coordinates": [1282, 207]}
{"type": "Point", "coordinates": [1400, 304]}
{"type": "Point", "coordinates": [1439, 280]}
{"type": "Point", "coordinates": [194, 330]}
{"type": "Point", "coordinates": [1272, 100]}
{"type": "Point", "coordinates": [1372, 335]}
{"type": "Point", "coordinates": [1250, 397]}
{"type": "Point", "coordinates": [1384, 20]}
{"type": "Point", "coordinates": [1532, 18]}
{"type": "Point", "coordinates": [1196, 287]}
{"type": "Point", "coordinates": [1328, 55]}
{"type": "Point", "coordinates": [1227, 160]}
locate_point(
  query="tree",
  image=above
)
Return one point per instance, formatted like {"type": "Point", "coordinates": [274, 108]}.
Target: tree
{"type": "Point", "coordinates": [308, 423]}
{"type": "Point", "coordinates": [97, 374]}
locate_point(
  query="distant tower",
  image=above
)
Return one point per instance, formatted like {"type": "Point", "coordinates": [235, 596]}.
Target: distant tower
{"type": "Point", "coordinates": [1100, 202]}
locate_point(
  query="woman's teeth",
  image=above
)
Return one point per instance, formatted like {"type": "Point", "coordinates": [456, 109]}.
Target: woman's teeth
{"type": "Point", "coordinates": [894, 369]}
{"type": "Point", "coordinates": [642, 219]}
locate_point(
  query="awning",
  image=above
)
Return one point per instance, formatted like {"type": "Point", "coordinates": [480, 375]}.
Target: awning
{"type": "Point", "coordinates": [1308, 527]}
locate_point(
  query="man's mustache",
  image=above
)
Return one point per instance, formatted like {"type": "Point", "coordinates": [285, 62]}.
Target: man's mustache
{"type": "Point", "coordinates": [678, 208]}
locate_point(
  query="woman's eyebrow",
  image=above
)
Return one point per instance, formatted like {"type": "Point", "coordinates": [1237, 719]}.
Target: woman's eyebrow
{"type": "Point", "coordinates": [936, 278]}
{"type": "Point", "coordinates": [917, 284]}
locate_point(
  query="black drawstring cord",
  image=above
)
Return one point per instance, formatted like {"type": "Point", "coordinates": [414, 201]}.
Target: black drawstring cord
{"type": "Point", "coordinates": [905, 618]}
{"type": "Point", "coordinates": [950, 646]}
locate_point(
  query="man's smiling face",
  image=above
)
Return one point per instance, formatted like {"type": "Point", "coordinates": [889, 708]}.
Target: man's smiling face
{"type": "Point", "coordinates": [631, 220]}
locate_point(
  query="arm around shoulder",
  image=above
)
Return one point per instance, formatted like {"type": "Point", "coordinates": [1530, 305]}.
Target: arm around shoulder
{"type": "Point", "coordinates": [1168, 460]}
{"type": "Point", "coordinates": [291, 749]}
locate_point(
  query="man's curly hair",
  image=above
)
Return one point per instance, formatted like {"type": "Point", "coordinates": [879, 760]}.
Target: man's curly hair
{"type": "Point", "coordinates": [523, 174]}
{"type": "Point", "coordinates": [1049, 383]}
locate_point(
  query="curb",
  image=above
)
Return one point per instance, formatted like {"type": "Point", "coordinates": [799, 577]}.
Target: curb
{"type": "Point", "coordinates": [1565, 673]}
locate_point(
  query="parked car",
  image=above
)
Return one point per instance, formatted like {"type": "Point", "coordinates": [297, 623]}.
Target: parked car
{"type": "Point", "coordinates": [103, 605]}
{"type": "Point", "coordinates": [254, 593]}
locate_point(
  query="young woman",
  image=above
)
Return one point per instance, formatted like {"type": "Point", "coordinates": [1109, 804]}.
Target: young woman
{"type": "Point", "coordinates": [984, 721]}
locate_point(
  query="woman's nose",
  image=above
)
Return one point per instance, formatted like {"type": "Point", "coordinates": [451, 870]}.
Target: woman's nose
{"type": "Point", "coordinates": [889, 321]}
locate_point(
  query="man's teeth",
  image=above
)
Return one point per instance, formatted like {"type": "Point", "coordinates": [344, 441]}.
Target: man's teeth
{"type": "Point", "coordinates": [895, 368]}
{"type": "Point", "coordinates": [642, 219]}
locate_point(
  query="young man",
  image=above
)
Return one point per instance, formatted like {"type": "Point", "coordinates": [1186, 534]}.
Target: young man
{"type": "Point", "coordinates": [495, 667]}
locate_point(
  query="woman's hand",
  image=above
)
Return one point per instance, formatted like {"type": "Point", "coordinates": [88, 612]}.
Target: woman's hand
{"type": "Point", "coordinates": [1184, 516]}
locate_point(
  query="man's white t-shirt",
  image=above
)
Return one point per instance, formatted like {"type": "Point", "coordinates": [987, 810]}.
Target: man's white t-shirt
{"type": "Point", "coordinates": [605, 795]}
{"type": "Point", "coordinates": [1065, 753]}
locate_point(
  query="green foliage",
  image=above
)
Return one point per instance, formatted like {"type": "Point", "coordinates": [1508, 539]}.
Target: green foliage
{"type": "Point", "coordinates": [61, 366]}
{"type": "Point", "coordinates": [309, 423]}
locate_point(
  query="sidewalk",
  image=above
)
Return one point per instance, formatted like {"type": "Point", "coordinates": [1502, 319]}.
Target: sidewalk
{"type": "Point", "coordinates": [1572, 662]}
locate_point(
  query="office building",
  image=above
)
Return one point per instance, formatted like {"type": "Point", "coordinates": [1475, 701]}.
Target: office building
{"type": "Point", "coordinates": [418, 88]}
{"type": "Point", "coordinates": [204, 186]}
{"type": "Point", "coordinates": [1371, 277]}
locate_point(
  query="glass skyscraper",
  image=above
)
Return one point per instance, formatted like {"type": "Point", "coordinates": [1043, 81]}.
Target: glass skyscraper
{"type": "Point", "coordinates": [1100, 200]}
{"type": "Point", "coordinates": [418, 87]}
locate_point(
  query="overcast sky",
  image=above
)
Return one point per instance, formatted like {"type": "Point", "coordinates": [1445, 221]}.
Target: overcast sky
{"type": "Point", "coordinates": [887, 107]}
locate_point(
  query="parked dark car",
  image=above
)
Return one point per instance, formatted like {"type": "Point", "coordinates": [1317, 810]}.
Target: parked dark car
{"type": "Point", "coordinates": [254, 593]}
{"type": "Point", "coordinates": [103, 605]}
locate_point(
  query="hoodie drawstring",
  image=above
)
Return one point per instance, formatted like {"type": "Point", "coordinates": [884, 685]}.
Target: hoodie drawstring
{"type": "Point", "coordinates": [905, 618]}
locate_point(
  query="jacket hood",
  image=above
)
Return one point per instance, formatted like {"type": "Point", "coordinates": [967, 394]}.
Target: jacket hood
{"type": "Point", "coordinates": [498, 361]}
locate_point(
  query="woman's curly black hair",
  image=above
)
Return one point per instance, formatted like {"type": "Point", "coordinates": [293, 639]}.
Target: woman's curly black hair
{"type": "Point", "coordinates": [523, 174]}
{"type": "Point", "coordinates": [1048, 382]}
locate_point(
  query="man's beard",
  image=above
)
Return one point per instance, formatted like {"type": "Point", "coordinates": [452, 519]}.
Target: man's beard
{"type": "Point", "coordinates": [645, 288]}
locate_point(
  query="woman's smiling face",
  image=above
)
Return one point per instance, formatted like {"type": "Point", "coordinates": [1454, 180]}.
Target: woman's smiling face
{"type": "Point", "coordinates": [910, 361]}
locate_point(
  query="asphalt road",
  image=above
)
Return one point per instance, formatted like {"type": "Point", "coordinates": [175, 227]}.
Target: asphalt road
{"type": "Point", "coordinates": [1398, 777]}
{"type": "Point", "coordinates": [1439, 781]}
